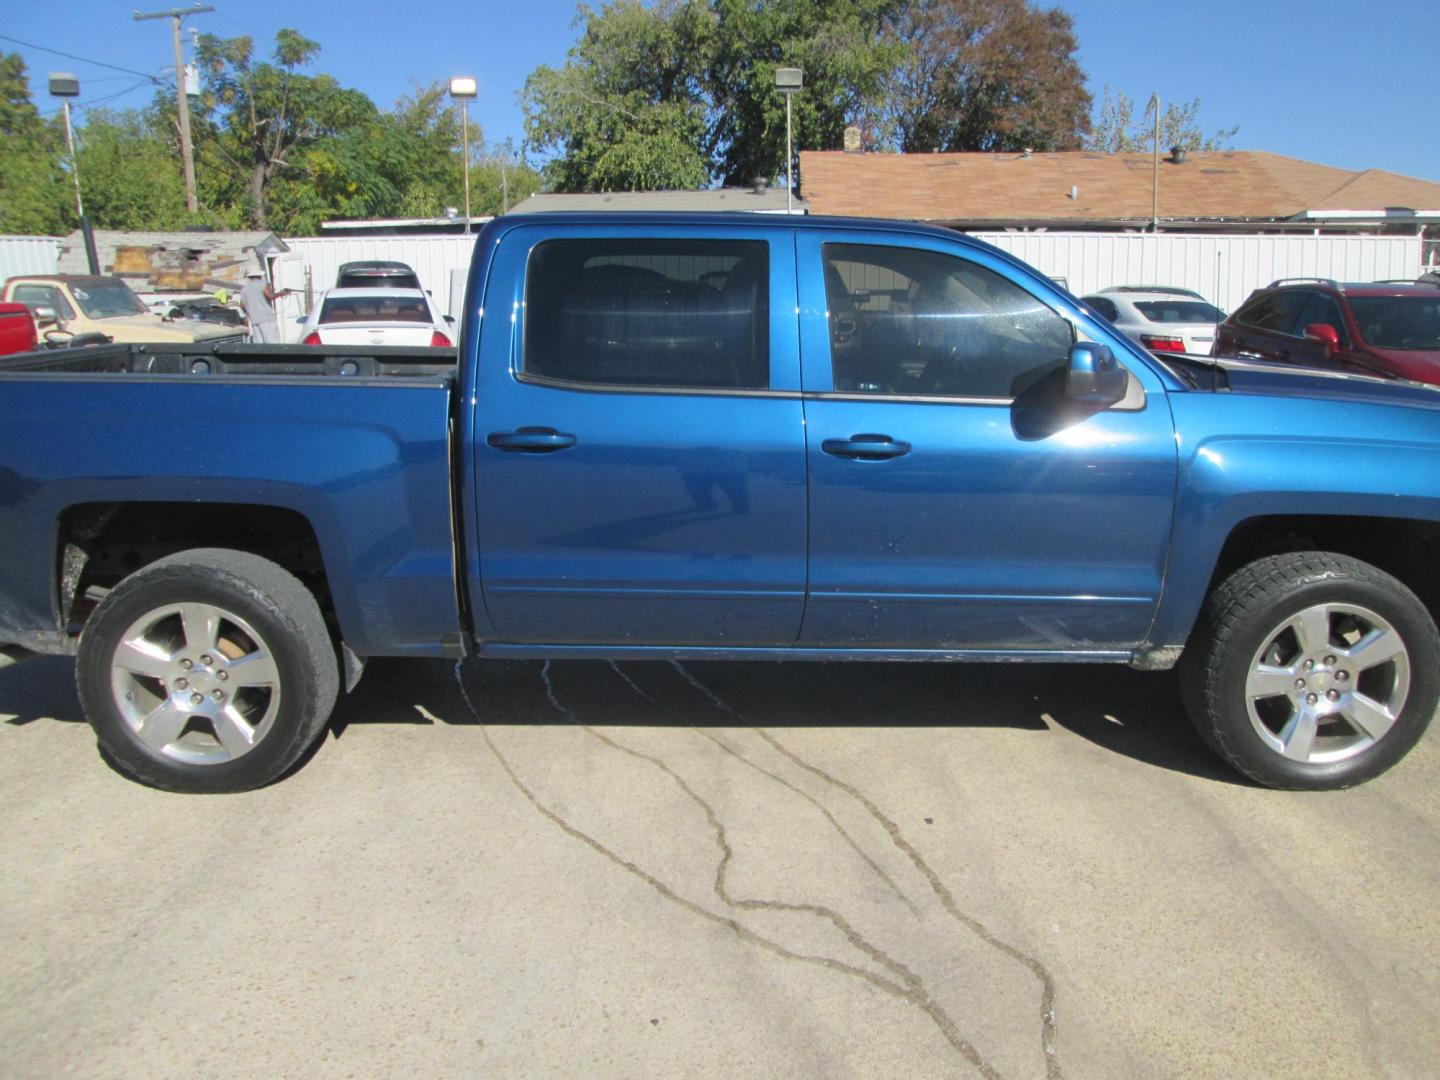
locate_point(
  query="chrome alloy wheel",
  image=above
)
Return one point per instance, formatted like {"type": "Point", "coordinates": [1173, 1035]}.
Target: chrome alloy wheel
{"type": "Point", "coordinates": [1327, 683]}
{"type": "Point", "coordinates": [195, 683]}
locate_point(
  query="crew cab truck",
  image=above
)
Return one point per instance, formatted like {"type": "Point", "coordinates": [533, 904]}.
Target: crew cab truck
{"type": "Point", "coordinates": [730, 437]}
{"type": "Point", "coordinates": [83, 305]}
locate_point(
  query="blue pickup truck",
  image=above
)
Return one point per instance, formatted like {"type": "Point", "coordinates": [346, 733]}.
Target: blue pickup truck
{"type": "Point", "coordinates": [725, 437]}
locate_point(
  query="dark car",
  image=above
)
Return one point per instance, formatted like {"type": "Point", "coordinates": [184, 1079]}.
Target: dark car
{"type": "Point", "coordinates": [376, 274]}
{"type": "Point", "coordinates": [1370, 328]}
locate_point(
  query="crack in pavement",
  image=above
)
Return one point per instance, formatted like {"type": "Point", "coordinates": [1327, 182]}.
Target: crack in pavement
{"type": "Point", "coordinates": [942, 892]}
{"type": "Point", "coordinates": [899, 980]}
{"type": "Point", "coordinates": [907, 990]}
{"type": "Point", "coordinates": [727, 748]}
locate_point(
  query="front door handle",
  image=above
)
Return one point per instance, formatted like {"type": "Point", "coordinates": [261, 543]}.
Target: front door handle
{"type": "Point", "coordinates": [866, 447]}
{"type": "Point", "coordinates": [530, 440]}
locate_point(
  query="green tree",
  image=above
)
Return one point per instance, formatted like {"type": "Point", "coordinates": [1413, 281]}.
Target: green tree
{"type": "Point", "coordinates": [982, 75]}
{"type": "Point", "coordinates": [261, 118]}
{"type": "Point", "coordinates": [681, 93]}
{"type": "Point", "coordinates": [1116, 131]}
{"type": "Point", "coordinates": [35, 192]}
{"type": "Point", "coordinates": [131, 172]}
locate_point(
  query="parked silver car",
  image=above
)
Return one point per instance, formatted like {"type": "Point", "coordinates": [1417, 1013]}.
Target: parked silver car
{"type": "Point", "coordinates": [1168, 320]}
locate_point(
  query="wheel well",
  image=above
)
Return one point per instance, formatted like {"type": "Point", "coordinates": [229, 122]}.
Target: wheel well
{"type": "Point", "coordinates": [1402, 548]}
{"type": "Point", "coordinates": [99, 544]}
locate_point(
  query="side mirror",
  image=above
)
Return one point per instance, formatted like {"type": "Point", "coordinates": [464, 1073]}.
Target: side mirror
{"type": "Point", "coordinates": [1325, 334]}
{"type": "Point", "coordinates": [46, 314]}
{"type": "Point", "coordinates": [450, 319]}
{"type": "Point", "coordinates": [1094, 377]}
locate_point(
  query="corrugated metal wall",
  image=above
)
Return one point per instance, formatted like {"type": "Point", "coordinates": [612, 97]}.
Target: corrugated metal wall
{"type": "Point", "coordinates": [1223, 268]}
{"type": "Point", "coordinates": [28, 255]}
{"type": "Point", "coordinates": [431, 257]}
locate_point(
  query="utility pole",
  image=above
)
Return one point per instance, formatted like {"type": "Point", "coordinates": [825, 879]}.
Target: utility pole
{"type": "Point", "coordinates": [1155, 175]}
{"type": "Point", "coordinates": [176, 16]}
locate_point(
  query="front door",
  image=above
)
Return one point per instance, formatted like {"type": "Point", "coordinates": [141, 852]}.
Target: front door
{"type": "Point", "coordinates": [956, 500]}
{"type": "Point", "coordinates": [640, 450]}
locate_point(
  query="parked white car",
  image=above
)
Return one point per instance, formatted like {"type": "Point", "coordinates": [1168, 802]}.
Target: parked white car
{"type": "Point", "coordinates": [1172, 320]}
{"type": "Point", "coordinates": [376, 317]}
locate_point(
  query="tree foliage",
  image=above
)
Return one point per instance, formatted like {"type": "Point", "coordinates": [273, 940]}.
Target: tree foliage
{"type": "Point", "coordinates": [682, 92]}
{"type": "Point", "coordinates": [35, 196]}
{"type": "Point", "coordinates": [319, 151]}
{"type": "Point", "coordinates": [983, 75]}
{"type": "Point", "coordinates": [1117, 131]}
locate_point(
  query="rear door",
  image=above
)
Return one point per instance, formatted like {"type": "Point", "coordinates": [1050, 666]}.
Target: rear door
{"type": "Point", "coordinates": [1264, 328]}
{"type": "Point", "coordinates": [955, 500]}
{"type": "Point", "coordinates": [639, 443]}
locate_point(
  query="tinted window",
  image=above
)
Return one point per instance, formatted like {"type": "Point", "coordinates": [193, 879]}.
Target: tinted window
{"type": "Point", "coordinates": [38, 296]}
{"type": "Point", "coordinates": [1276, 311]}
{"type": "Point", "coordinates": [1398, 322]}
{"type": "Point", "coordinates": [1179, 311]}
{"type": "Point", "coordinates": [350, 309]}
{"type": "Point", "coordinates": [906, 321]}
{"type": "Point", "coordinates": [1322, 309]}
{"type": "Point", "coordinates": [1105, 308]}
{"type": "Point", "coordinates": [664, 313]}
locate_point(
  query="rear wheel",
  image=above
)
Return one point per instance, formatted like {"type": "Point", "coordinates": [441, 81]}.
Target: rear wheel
{"type": "Point", "coordinates": [1312, 670]}
{"type": "Point", "coordinates": [208, 671]}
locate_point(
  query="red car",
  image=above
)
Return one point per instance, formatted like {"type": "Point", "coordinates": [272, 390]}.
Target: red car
{"type": "Point", "coordinates": [17, 329]}
{"type": "Point", "coordinates": [1372, 329]}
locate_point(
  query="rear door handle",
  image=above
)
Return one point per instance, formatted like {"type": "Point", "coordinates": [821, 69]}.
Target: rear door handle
{"type": "Point", "coordinates": [530, 440]}
{"type": "Point", "coordinates": [866, 447]}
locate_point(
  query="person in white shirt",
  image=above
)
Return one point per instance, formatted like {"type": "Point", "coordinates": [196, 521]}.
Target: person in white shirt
{"type": "Point", "coordinates": [258, 299]}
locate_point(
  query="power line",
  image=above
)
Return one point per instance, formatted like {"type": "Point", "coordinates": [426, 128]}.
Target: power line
{"type": "Point", "coordinates": [82, 59]}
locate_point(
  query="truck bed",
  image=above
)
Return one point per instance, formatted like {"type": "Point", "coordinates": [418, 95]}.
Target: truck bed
{"type": "Point", "coordinates": [345, 361]}
{"type": "Point", "coordinates": [336, 455]}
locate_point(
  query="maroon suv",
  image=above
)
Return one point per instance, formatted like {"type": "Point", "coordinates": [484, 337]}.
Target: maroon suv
{"type": "Point", "coordinates": [1373, 329]}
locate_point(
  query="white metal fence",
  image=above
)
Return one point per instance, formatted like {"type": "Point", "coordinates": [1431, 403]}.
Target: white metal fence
{"type": "Point", "coordinates": [28, 255]}
{"type": "Point", "coordinates": [1223, 268]}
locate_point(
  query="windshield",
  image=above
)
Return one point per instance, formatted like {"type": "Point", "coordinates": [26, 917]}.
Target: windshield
{"type": "Point", "coordinates": [1398, 322]}
{"type": "Point", "coordinates": [107, 299]}
{"type": "Point", "coordinates": [1179, 311]}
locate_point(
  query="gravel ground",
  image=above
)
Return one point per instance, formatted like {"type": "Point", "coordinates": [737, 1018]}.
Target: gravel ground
{"type": "Point", "coordinates": [735, 870]}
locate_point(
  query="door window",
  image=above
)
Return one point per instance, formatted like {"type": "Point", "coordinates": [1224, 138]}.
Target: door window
{"type": "Point", "coordinates": [916, 322]}
{"type": "Point", "coordinates": [1276, 312]}
{"type": "Point", "coordinates": [38, 296]}
{"type": "Point", "coordinates": [649, 313]}
{"type": "Point", "coordinates": [1322, 309]}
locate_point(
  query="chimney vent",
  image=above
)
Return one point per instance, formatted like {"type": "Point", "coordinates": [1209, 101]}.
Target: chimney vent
{"type": "Point", "coordinates": [761, 185]}
{"type": "Point", "coordinates": [1177, 155]}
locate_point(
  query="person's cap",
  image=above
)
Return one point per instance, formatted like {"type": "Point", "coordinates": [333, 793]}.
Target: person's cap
{"type": "Point", "coordinates": [254, 271]}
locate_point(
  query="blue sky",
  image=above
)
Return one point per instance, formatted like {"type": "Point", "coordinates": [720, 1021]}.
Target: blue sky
{"type": "Point", "coordinates": [1334, 81]}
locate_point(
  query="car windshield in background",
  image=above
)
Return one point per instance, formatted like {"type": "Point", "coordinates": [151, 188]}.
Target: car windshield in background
{"type": "Point", "coordinates": [107, 299]}
{"type": "Point", "coordinates": [388, 309]}
{"type": "Point", "coordinates": [1398, 322]}
{"type": "Point", "coordinates": [1179, 311]}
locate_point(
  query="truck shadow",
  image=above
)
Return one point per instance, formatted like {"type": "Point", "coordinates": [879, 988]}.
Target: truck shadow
{"type": "Point", "coordinates": [1134, 714]}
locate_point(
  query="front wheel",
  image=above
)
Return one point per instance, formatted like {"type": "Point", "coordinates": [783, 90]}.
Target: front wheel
{"type": "Point", "coordinates": [207, 671]}
{"type": "Point", "coordinates": [1312, 670]}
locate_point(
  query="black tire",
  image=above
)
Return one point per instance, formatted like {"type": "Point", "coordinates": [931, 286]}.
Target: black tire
{"type": "Point", "coordinates": [262, 616]}
{"type": "Point", "coordinates": [1265, 606]}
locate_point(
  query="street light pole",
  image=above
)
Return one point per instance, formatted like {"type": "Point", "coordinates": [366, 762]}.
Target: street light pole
{"type": "Point", "coordinates": [788, 81]}
{"type": "Point", "coordinates": [182, 104]}
{"type": "Point", "coordinates": [464, 89]}
{"type": "Point", "coordinates": [65, 86]}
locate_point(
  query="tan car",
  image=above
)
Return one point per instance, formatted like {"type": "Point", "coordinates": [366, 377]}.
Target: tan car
{"type": "Point", "coordinates": [79, 304]}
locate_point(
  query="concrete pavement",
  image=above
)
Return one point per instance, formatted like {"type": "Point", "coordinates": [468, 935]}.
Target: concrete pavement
{"type": "Point", "coordinates": [736, 870]}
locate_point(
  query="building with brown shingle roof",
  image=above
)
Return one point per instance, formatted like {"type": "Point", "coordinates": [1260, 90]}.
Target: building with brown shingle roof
{"type": "Point", "coordinates": [1223, 191]}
